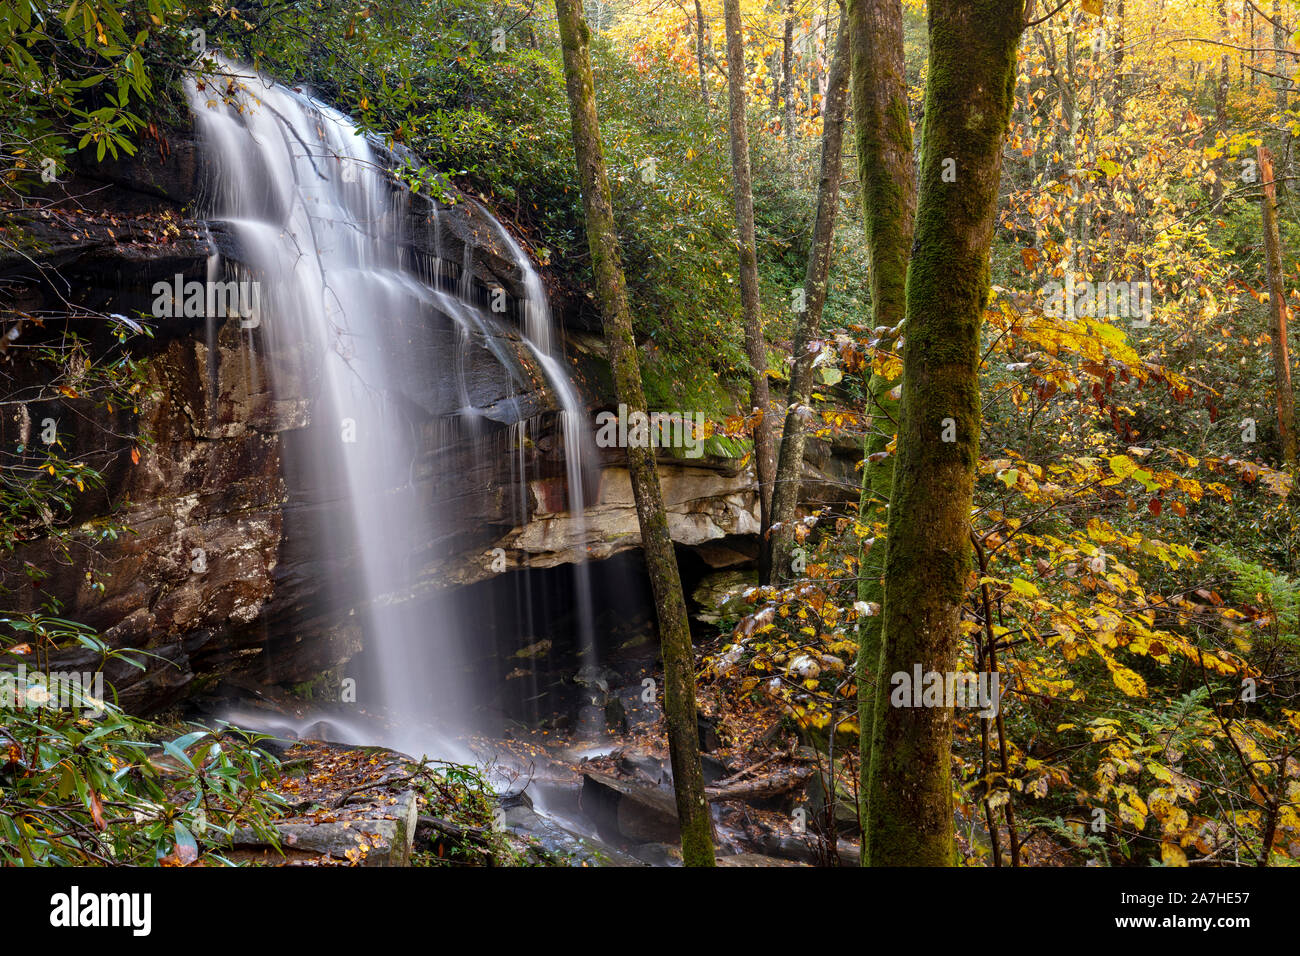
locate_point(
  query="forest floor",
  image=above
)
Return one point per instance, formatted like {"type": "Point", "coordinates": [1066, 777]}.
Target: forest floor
{"type": "Point", "coordinates": [369, 806]}
{"type": "Point", "coordinates": [609, 802]}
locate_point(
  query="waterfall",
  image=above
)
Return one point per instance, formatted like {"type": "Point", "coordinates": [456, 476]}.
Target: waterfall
{"type": "Point", "coordinates": [579, 445]}
{"type": "Point", "coordinates": [343, 314]}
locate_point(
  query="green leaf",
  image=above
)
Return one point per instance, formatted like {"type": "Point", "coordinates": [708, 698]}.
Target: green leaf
{"type": "Point", "coordinates": [67, 781]}
{"type": "Point", "coordinates": [188, 739]}
{"type": "Point", "coordinates": [179, 754]}
{"type": "Point", "coordinates": [185, 839]}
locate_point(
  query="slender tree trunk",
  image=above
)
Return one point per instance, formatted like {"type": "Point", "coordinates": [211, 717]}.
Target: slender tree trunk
{"type": "Point", "coordinates": [1221, 106]}
{"type": "Point", "coordinates": [1251, 44]}
{"type": "Point", "coordinates": [824, 59]}
{"type": "Point", "coordinates": [1281, 60]}
{"type": "Point", "coordinates": [1220, 128]}
{"type": "Point", "coordinates": [755, 343]}
{"type": "Point", "coordinates": [1278, 312]}
{"type": "Point", "coordinates": [887, 176]}
{"type": "Point", "coordinates": [699, 51]}
{"type": "Point", "coordinates": [1071, 95]}
{"type": "Point", "coordinates": [774, 74]}
{"type": "Point", "coordinates": [789, 467]}
{"type": "Point", "coordinates": [968, 101]}
{"type": "Point", "coordinates": [787, 76]}
{"type": "Point", "coordinates": [1281, 63]}
{"type": "Point", "coordinates": [1119, 86]}
{"type": "Point", "coordinates": [611, 288]}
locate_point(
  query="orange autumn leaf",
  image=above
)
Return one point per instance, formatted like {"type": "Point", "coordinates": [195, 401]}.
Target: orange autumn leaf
{"type": "Point", "coordinates": [97, 810]}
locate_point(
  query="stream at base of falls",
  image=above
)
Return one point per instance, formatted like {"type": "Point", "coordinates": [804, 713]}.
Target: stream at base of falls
{"type": "Point", "coordinates": [538, 792]}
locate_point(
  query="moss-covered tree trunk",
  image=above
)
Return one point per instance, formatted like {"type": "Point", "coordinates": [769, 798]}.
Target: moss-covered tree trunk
{"type": "Point", "coordinates": [887, 178]}
{"type": "Point", "coordinates": [789, 466]}
{"type": "Point", "coordinates": [611, 290]}
{"type": "Point", "coordinates": [755, 342]}
{"type": "Point", "coordinates": [968, 101]}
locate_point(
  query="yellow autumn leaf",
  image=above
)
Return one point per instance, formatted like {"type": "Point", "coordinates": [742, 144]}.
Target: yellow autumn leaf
{"type": "Point", "coordinates": [1024, 587]}
{"type": "Point", "coordinates": [1126, 680]}
{"type": "Point", "coordinates": [1161, 773]}
{"type": "Point", "coordinates": [1171, 854]}
{"type": "Point", "coordinates": [1134, 812]}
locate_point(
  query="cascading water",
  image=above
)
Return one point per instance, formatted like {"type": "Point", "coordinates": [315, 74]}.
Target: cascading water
{"type": "Point", "coordinates": [316, 221]}
{"type": "Point", "coordinates": [579, 447]}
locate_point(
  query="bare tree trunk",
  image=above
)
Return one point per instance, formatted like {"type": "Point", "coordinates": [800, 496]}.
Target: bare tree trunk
{"type": "Point", "coordinates": [1221, 107]}
{"type": "Point", "coordinates": [1251, 44]}
{"type": "Point", "coordinates": [699, 51]}
{"type": "Point", "coordinates": [824, 58]}
{"type": "Point", "coordinates": [1278, 312]}
{"type": "Point", "coordinates": [968, 101]}
{"type": "Point", "coordinates": [611, 288]}
{"type": "Point", "coordinates": [1280, 64]}
{"type": "Point", "coordinates": [787, 76]}
{"type": "Point", "coordinates": [1120, 95]}
{"type": "Point", "coordinates": [887, 176]}
{"type": "Point", "coordinates": [774, 75]}
{"type": "Point", "coordinates": [755, 343]}
{"type": "Point", "coordinates": [789, 467]}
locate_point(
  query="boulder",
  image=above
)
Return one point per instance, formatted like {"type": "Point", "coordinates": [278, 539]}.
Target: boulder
{"type": "Point", "coordinates": [718, 595]}
{"type": "Point", "coordinates": [713, 768]}
{"type": "Point", "coordinates": [804, 848]}
{"type": "Point", "coordinates": [639, 715]}
{"type": "Point", "coordinates": [846, 814]}
{"type": "Point", "coordinates": [658, 854]}
{"type": "Point", "coordinates": [756, 859]}
{"type": "Point", "coordinates": [360, 841]}
{"type": "Point", "coordinates": [708, 731]}
{"type": "Point", "coordinates": [644, 766]}
{"type": "Point", "coordinates": [557, 844]}
{"type": "Point", "coordinates": [626, 811]}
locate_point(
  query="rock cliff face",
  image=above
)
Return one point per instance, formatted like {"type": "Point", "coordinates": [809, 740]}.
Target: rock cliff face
{"type": "Point", "coordinates": [219, 575]}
